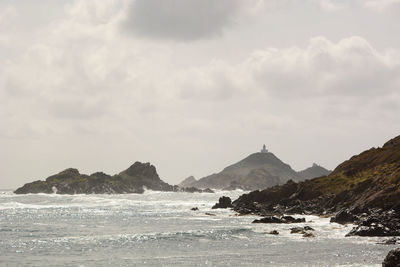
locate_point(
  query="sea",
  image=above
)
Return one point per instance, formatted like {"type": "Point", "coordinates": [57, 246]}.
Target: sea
{"type": "Point", "coordinates": [160, 229]}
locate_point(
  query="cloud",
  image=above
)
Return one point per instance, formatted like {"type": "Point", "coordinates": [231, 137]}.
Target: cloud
{"type": "Point", "coordinates": [383, 5]}
{"type": "Point", "coordinates": [351, 67]}
{"type": "Point", "coordinates": [183, 20]}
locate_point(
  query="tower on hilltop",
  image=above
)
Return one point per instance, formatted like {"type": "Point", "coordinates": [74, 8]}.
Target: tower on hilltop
{"type": "Point", "coordinates": [264, 149]}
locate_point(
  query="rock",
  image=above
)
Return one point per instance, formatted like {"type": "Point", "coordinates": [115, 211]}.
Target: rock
{"type": "Point", "coordinates": [290, 219]}
{"type": "Point", "coordinates": [392, 259]}
{"type": "Point", "coordinates": [344, 217]}
{"type": "Point", "coordinates": [283, 219]}
{"type": "Point", "coordinates": [223, 203]}
{"type": "Point", "coordinates": [300, 230]}
{"type": "Point", "coordinates": [194, 209]}
{"type": "Point", "coordinates": [297, 230]}
{"type": "Point", "coordinates": [390, 241]}
{"type": "Point", "coordinates": [210, 214]}
{"type": "Point", "coordinates": [274, 232]}
{"type": "Point", "coordinates": [378, 223]}
{"type": "Point", "coordinates": [208, 190]}
{"type": "Point", "coordinates": [308, 234]}
{"type": "Point", "coordinates": [308, 228]}
{"type": "Point", "coordinates": [270, 219]}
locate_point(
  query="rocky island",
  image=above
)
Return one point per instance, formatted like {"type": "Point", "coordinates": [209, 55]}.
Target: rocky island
{"type": "Point", "coordinates": [364, 190]}
{"type": "Point", "coordinates": [135, 179]}
{"type": "Point", "coordinates": [257, 171]}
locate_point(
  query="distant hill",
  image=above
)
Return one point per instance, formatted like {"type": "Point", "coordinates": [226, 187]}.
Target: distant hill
{"type": "Point", "coordinates": [313, 172]}
{"type": "Point", "coordinates": [135, 179]}
{"type": "Point", "coordinates": [257, 171]}
{"type": "Point", "coordinates": [188, 182]}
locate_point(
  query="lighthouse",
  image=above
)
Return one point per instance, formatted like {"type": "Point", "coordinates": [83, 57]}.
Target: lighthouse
{"type": "Point", "coordinates": [264, 149]}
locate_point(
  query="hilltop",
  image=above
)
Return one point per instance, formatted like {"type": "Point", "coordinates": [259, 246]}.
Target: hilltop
{"type": "Point", "coordinates": [257, 171]}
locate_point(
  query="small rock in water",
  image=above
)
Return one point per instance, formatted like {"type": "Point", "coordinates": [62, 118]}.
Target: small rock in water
{"type": "Point", "coordinates": [307, 234]}
{"type": "Point", "coordinates": [210, 214]}
{"type": "Point", "coordinates": [274, 232]}
{"type": "Point", "coordinates": [301, 230]}
{"type": "Point", "coordinates": [195, 208]}
{"type": "Point", "coordinates": [223, 203]}
{"type": "Point", "coordinates": [283, 219]}
{"type": "Point", "coordinates": [390, 241]}
{"type": "Point", "coordinates": [392, 259]}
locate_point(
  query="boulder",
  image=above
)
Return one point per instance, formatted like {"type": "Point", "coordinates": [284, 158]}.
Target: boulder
{"type": "Point", "coordinates": [392, 259]}
{"type": "Point", "coordinates": [223, 203]}
{"type": "Point", "coordinates": [344, 216]}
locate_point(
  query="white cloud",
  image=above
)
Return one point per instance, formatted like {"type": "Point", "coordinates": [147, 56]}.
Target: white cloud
{"type": "Point", "coordinates": [80, 76]}
{"type": "Point", "coordinates": [383, 5]}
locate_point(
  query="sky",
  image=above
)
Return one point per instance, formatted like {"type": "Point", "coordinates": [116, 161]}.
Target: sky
{"type": "Point", "coordinates": [193, 86]}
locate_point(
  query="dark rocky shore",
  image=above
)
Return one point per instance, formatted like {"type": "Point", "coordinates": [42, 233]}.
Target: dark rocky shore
{"type": "Point", "coordinates": [364, 190]}
{"type": "Point", "coordinates": [135, 179]}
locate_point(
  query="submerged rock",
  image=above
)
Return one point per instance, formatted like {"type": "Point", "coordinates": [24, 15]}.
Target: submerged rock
{"type": "Point", "coordinates": [274, 232]}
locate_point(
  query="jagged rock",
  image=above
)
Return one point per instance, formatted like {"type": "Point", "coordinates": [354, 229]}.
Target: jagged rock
{"type": "Point", "coordinates": [378, 223]}
{"type": "Point", "coordinates": [343, 217]}
{"type": "Point", "coordinates": [392, 258]}
{"type": "Point", "coordinates": [223, 203]}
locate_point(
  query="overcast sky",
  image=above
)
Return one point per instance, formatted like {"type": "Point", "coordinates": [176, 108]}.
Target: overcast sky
{"type": "Point", "coordinates": [193, 85]}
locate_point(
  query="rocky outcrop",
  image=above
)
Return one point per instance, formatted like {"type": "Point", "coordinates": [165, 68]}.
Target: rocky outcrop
{"type": "Point", "coordinates": [135, 179]}
{"type": "Point", "coordinates": [392, 259]}
{"type": "Point", "coordinates": [223, 203]}
{"type": "Point", "coordinates": [364, 190]}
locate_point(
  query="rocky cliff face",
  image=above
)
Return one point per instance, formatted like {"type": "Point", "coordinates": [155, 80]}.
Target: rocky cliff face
{"type": "Point", "coordinates": [370, 180]}
{"type": "Point", "coordinates": [135, 179]}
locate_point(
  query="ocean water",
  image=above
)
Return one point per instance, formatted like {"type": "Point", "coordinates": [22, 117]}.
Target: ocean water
{"type": "Point", "coordinates": [159, 229]}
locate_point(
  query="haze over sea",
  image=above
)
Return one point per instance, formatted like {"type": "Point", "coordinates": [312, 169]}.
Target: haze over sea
{"type": "Point", "coordinates": [160, 229]}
